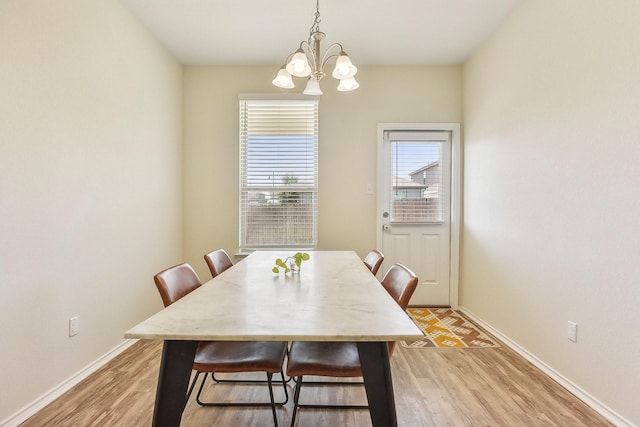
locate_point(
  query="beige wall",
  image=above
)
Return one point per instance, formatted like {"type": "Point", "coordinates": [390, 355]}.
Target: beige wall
{"type": "Point", "coordinates": [347, 147]}
{"type": "Point", "coordinates": [97, 193]}
{"type": "Point", "coordinates": [90, 185]}
{"type": "Point", "coordinates": [551, 206]}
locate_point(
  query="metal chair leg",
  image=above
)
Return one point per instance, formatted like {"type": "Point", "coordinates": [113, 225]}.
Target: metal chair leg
{"type": "Point", "coordinates": [273, 405]}
{"type": "Point", "coordinates": [296, 397]}
{"type": "Point", "coordinates": [193, 384]}
{"type": "Point", "coordinates": [284, 387]}
{"type": "Point", "coordinates": [224, 381]}
{"type": "Point", "coordinates": [240, 404]}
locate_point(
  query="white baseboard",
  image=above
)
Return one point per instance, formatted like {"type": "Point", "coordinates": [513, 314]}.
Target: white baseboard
{"type": "Point", "coordinates": [581, 394]}
{"type": "Point", "coordinates": [32, 408]}
{"type": "Point", "coordinates": [29, 410]}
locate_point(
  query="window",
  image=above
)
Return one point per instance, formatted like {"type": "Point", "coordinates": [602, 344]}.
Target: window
{"type": "Point", "coordinates": [278, 173]}
{"type": "Point", "coordinates": [416, 160]}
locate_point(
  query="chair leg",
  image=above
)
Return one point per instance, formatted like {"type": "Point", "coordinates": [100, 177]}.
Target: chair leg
{"type": "Point", "coordinates": [296, 397]}
{"type": "Point", "coordinates": [200, 391]}
{"type": "Point", "coordinates": [248, 404]}
{"type": "Point", "coordinates": [273, 403]}
{"type": "Point", "coordinates": [330, 383]}
{"type": "Point", "coordinates": [193, 384]}
{"type": "Point", "coordinates": [223, 381]}
{"type": "Point", "coordinates": [284, 387]}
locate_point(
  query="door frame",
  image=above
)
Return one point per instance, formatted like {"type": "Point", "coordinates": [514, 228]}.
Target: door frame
{"type": "Point", "coordinates": [456, 193]}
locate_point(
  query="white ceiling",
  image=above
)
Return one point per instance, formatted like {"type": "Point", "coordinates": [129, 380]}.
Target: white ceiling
{"type": "Point", "coordinates": [253, 32]}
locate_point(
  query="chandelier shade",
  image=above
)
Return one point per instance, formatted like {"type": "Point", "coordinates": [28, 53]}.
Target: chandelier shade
{"type": "Point", "coordinates": [307, 61]}
{"type": "Point", "coordinates": [299, 65]}
{"type": "Point", "coordinates": [312, 88]}
{"type": "Point", "coordinates": [283, 79]}
{"type": "Point", "coordinates": [344, 67]}
{"type": "Point", "coordinates": [348, 84]}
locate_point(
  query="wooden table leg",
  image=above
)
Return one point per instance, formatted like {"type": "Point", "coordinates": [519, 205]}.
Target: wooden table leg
{"type": "Point", "coordinates": [173, 380]}
{"type": "Point", "coordinates": [374, 361]}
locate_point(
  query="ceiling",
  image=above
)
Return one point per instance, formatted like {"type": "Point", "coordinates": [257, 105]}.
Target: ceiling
{"type": "Point", "coordinates": [254, 32]}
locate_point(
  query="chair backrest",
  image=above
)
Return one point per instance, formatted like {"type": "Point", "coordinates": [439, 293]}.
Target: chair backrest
{"type": "Point", "coordinates": [401, 283]}
{"type": "Point", "coordinates": [373, 261]}
{"type": "Point", "coordinates": [176, 282]}
{"type": "Point", "coordinates": [218, 261]}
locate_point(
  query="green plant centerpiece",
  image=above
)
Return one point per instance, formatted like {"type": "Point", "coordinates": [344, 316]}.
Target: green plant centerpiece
{"type": "Point", "coordinates": [291, 263]}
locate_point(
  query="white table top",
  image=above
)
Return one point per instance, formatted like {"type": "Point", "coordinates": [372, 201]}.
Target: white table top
{"type": "Point", "coordinates": [333, 298]}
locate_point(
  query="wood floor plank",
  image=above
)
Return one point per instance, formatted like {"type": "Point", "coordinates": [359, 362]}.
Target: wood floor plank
{"type": "Point", "coordinates": [433, 387]}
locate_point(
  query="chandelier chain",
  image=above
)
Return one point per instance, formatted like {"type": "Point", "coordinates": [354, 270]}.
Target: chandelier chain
{"type": "Point", "coordinates": [315, 27]}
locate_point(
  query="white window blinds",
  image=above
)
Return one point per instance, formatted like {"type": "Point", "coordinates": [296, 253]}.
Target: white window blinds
{"type": "Point", "coordinates": [278, 173]}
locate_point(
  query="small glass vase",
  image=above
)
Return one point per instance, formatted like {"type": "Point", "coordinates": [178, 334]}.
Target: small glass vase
{"type": "Point", "coordinates": [295, 269]}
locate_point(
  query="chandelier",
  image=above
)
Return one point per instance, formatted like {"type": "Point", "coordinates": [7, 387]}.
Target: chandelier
{"type": "Point", "coordinates": [307, 62]}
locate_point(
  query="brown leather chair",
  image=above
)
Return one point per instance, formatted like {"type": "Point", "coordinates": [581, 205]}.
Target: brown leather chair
{"type": "Point", "coordinates": [218, 261]}
{"type": "Point", "coordinates": [341, 359]}
{"type": "Point", "coordinates": [373, 261]}
{"type": "Point", "coordinates": [224, 356]}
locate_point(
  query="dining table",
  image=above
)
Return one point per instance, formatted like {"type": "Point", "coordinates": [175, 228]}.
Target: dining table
{"type": "Point", "coordinates": [333, 297]}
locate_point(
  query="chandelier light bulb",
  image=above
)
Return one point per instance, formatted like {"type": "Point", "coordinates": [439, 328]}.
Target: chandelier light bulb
{"type": "Point", "coordinates": [283, 79]}
{"type": "Point", "coordinates": [348, 84]}
{"type": "Point", "coordinates": [299, 65]}
{"type": "Point", "coordinates": [344, 67]}
{"type": "Point", "coordinates": [343, 71]}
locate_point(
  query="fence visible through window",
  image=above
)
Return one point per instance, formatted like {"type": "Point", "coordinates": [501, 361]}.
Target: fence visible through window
{"type": "Point", "coordinates": [279, 224]}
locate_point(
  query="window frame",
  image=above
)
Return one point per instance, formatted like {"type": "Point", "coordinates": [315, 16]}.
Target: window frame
{"type": "Point", "coordinates": [309, 187]}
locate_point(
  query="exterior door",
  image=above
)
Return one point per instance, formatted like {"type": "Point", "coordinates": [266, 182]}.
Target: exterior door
{"type": "Point", "coordinates": [415, 209]}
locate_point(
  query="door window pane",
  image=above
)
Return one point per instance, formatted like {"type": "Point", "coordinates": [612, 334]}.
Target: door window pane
{"type": "Point", "coordinates": [416, 174]}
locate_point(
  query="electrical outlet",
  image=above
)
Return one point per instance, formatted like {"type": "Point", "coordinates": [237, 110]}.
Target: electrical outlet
{"type": "Point", "coordinates": [572, 331]}
{"type": "Point", "coordinates": [74, 326]}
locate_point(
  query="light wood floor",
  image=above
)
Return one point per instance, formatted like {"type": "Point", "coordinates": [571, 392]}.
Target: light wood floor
{"type": "Point", "coordinates": [433, 387]}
